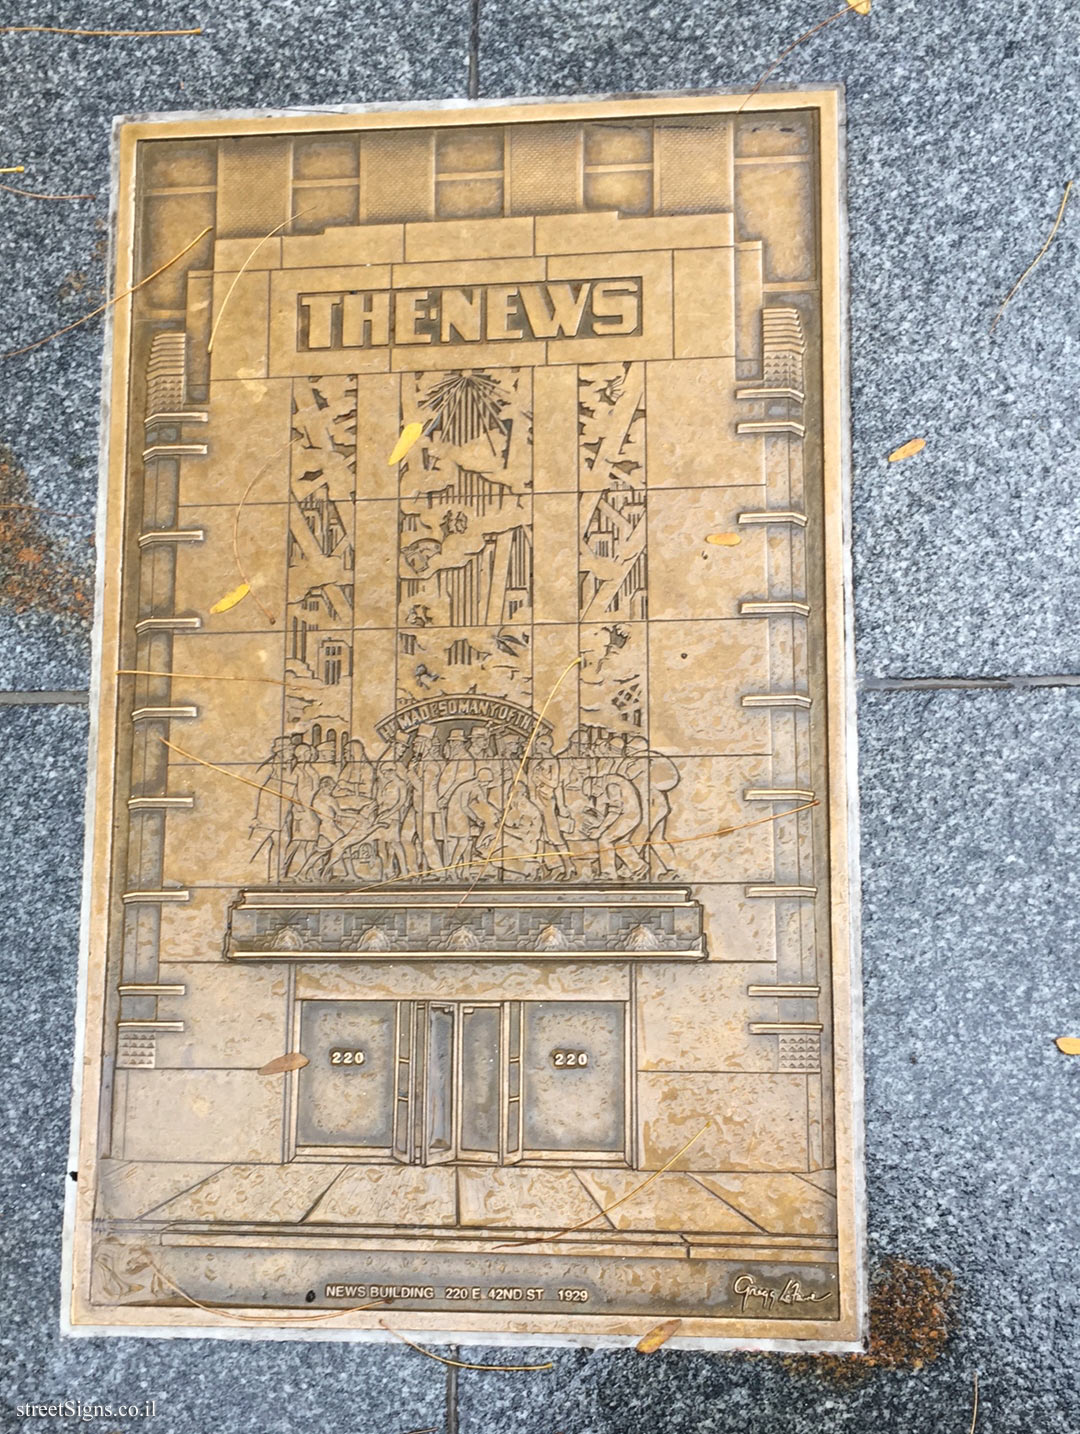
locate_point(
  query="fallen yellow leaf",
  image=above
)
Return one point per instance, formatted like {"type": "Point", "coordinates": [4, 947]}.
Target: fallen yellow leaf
{"type": "Point", "coordinates": [1068, 1045]}
{"type": "Point", "coordinates": [907, 450]}
{"type": "Point", "coordinates": [861, 7]}
{"type": "Point", "coordinates": [409, 434]}
{"type": "Point", "coordinates": [658, 1336]}
{"type": "Point", "coordinates": [294, 1061]}
{"type": "Point", "coordinates": [724, 540]}
{"type": "Point", "coordinates": [231, 599]}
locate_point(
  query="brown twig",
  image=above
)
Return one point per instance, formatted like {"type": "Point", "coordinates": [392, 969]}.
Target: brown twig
{"type": "Point", "coordinates": [847, 10]}
{"type": "Point", "coordinates": [28, 348]}
{"type": "Point", "coordinates": [93, 34]}
{"type": "Point", "coordinates": [459, 1364]}
{"type": "Point", "coordinates": [546, 1239]}
{"type": "Point", "coordinates": [281, 1317]}
{"type": "Point", "coordinates": [1037, 259]}
{"type": "Point", "coordinates": [33, 194]}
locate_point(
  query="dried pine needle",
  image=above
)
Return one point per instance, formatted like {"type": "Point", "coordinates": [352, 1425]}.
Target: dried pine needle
{"type": "Point", "coordinates": [459, 1364]}
{"type": "Point", "coordinates": [93, 34]}
{"type": "Point", "coordinates": [37, 508]}
{"type": "Point", "coordinates": [240, 273]}
{"type": "Point", "coordinates": [245, 581]}
{"type": "Point", "coordinates": [649, 1343]}
{"type": "Point", "coordinates": [975, 1405]}
{"type": "Point", "coordinates": [858, 7]}
{"type": "Point", "coordinates": [197, 676]}
{"type": "Point", "coordinates": [547, 1239]}
{"type": "Point", "coordinates": [28, 348]}
{"type": "Point", "coordinates": [33, 193]}
{"type": "Point", "coordinates": [520, 769]}
{"type": "Point", "coordinates": [613, 847]}
{"type": "Point", "coordinates": [235, 775]}
{"type": "Point", "coordinates": [1037, 259]}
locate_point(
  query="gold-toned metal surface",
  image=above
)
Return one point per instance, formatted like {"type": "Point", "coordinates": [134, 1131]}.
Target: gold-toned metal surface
{"type": "Point", "coordinates": [469, 922]}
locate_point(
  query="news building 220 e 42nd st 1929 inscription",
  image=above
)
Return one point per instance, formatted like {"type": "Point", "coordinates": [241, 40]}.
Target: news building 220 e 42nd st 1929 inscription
{"type": "Point", "coordinates": [470, 912]}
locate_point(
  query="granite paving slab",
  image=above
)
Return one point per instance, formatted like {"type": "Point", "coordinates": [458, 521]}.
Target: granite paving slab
{"type": "Point", "coordinates": [230, 1386]}
{"type": "Point", "coordinates": [961, 135]}
{"type": "Point", "coordinates": [970, 885]}
{"type": "Point", "coordinates": [58, 97]}
{"type": "Point", "coordinates": [970, 910]}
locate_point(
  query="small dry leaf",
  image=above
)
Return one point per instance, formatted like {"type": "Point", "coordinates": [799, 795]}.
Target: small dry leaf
{"type": "Point", "coordinates": [907, 450]}
{"type": "Point", "coordinates": [232, 598]}
{"type": "Point", "coordinates": [1068, 1045]}
{"type": "Point", "coordinates": [724, 540]}
{"type": "Point", "coordinates": [658, 1336]}
{"type": "Point", "coordinates": [409, 434]}
{"type": "Point", "coordinates": [861, 7]}
{"type": "Point", "coordinates": [294, 1061]}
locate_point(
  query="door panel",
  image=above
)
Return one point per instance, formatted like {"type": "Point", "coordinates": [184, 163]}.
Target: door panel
{"type": "Point", "coordinates": [403, 1081]}
{"type": "Point", "coordinates": [512, 1145]}
{"type": "Point", "coordinates": [346, 1091]}
{"type": "Point", "coordinates": [574, 1069]}
{"type": "Point", "coordinates": [439, 1145]}
{"type": "Point", "coordinates": [480, 1082]}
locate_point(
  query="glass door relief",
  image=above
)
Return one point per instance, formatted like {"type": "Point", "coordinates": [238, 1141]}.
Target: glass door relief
{"type": "Point", "coordinates": [478, 1082]}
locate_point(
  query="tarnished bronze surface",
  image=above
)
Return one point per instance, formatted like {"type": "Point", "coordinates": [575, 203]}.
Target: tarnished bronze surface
{"type": "Point", "coordinates": [469, 924]}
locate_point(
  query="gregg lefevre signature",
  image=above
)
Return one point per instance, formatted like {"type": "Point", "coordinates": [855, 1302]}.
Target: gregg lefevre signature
{"type": "Point", "coordinates": [793, 1293]}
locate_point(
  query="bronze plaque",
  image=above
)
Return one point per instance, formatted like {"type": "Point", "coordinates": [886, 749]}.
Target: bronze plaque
{"type": "Point", "coordinates": [469, 928]}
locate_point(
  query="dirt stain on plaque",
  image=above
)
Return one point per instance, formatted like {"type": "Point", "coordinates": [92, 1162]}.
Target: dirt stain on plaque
{"type": "Point", "coordinates": [37, 569]}
{"type": "Point", "coordinates": [911, 1318]}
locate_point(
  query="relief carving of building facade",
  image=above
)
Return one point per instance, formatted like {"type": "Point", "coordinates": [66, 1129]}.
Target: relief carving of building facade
{"type": "Point", "coordinates": [498, 796]}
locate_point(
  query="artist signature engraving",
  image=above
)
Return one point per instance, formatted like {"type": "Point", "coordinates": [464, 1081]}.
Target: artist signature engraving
{"type": "Point", "coordinates": [793, 1293]}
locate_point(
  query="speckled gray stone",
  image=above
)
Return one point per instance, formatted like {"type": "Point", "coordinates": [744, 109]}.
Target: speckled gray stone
{"type": "Point", "coordinates": [971, 877]}
{"type": "Point", "coordinates": [961, 134]}
{"type": "Point", "coordinates": [232, 1387]}
{"type": "Point", "coordinates": [58, 97]}
{"type": "Point", "coordinates": [971, 892]}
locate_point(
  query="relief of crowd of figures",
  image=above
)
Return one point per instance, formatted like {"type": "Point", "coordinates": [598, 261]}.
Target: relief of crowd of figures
{"type": "Point", "coordinates": [455, 801]}
{"type": "Point", "coordinates": [442, 800]}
